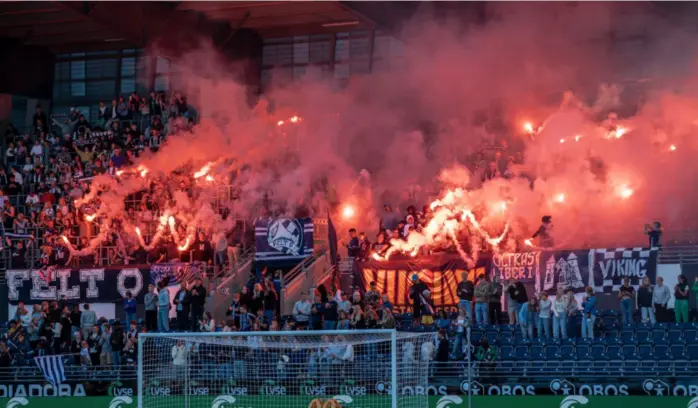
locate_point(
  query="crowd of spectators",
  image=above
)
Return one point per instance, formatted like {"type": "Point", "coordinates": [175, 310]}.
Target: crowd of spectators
{"type": "Point", "coordinates": [49, 167]}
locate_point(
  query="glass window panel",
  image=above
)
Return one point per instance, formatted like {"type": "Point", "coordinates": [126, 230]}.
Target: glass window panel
{"type": "Point", "coordinates": [285, 54]}
{"type": "Point", "coordinates": [128, 66]}
{"type": "Point", "coordinates": [101, 89]}
{"type": "Point", "coordinates": [77, 88]}
{"type": "Point", "coordinates": [77, 69]}
{"type": "Point", "coordinates": [319, 51]}
{"type": "Point", "coordinates": [269, 55]}
{"type": "Point", "coordinates": [162, 66]}
{"type": "Point", "coordinates": [300, 53]}
{"type": "Point", "coordinates": [359, 48]}
{"type": "Point", "coordinates": [341, 50]}
{"type": "Point", "coordinates": [162, 83]}
{"type": "Point", "coordinates": [128, 85]}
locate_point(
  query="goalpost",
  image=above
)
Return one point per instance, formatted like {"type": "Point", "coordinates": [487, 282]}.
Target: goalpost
{"type": "Point", "coordinates": [286, 369]}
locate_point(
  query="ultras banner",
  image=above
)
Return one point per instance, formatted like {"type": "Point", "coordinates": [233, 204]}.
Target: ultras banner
{"type": "Point", "coordinates": [564, 270]}
{"type": "Point", "coordinates": [611, 265]}
{"type": "Point", "coordinates": [441, 274]}
{"type": "Point", "coordinates": [283, 238]}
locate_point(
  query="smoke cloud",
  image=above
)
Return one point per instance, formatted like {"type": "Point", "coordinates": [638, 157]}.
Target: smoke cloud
{"type": "Point", "coordinates": [437, 120]}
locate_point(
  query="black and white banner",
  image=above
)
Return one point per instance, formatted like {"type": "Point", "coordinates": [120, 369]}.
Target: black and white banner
{"type": "Point", "coordinates": [83, 285]}
{"type": "Point", "coordinates": [283, 238]}
{"type": "Point", "coordinates": [611, 265]}
{"type": "Point", "coordinates": [564, 270]}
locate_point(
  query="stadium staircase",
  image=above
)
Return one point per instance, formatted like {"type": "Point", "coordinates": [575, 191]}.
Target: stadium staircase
{"type": "Point", "coordinates": [225, 286]}
{"type": "Point", "coordinates": [305, 277]}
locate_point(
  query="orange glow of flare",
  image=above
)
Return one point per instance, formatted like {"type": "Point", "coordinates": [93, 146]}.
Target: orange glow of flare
{"type": "Point", "coordinates": [528, 127]}
{"type": "Point", "coordinates": [560, 198]}
{"type": "Point", "coordinates": [500, 206]}
{"type": "Point", "coordinates": [624, 191]}
{"type": "Point", "coordinates": [617, 133]}
{"type": "Point", "coordinates": [576, 138]}
{"type": "Point", "coordinates": [528, 242]}
{"type": "Point", "coordinates": [209, 178]}
{"type": "Point", "coordinates": [163, 220]}
{"type": "Point", "coordinates": [65, 239]}
{"type": "Point", "coordinates": [348, 212]}
{"type": "Point", "coordinates": [376, 257]}
{"type": "Point", "coordinates": [280, 123]}
{"type": "Point", "coordinates": [204, 171]}
{"type": "Point", "coordinates": [119, 172]}
{"type": "Point", "coordinates": [672, 148]}
{"type": "Point", "coordinates": [138, 231]}
{"type": "Point", "coordinates": [171, 223]}
{"type": "Point", "coordinates": [184, 246]}
{"type": "Point", "coordinates": [294, 119]}
{"type": "Point", "coordinates": [90, 218]}
{"type": "Point", "coordinates": [562, 140]}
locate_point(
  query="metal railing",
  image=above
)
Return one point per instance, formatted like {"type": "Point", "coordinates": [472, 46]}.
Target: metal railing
{"type": "Point", "coordinates": [72, 372]}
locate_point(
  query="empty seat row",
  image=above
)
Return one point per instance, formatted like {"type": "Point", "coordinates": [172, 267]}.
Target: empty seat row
{"type": "Point", "coordinates": [573, 352]}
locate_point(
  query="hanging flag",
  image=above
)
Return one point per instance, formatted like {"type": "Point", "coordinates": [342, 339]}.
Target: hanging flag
{"type": "Point", "coordinates": [332, 240]}
{"type": "Point", "coordinates": [52, 369]}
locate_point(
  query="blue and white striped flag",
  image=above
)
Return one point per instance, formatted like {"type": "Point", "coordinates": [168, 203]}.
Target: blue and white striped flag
{"type": "Point", "coordinates": [52, 368]}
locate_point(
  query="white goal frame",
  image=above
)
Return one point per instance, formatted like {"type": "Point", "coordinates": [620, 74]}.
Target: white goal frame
{"type": "Point", "coordinates": [297, 333]}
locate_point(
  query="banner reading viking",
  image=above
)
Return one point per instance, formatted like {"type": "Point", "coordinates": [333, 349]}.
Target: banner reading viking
{"type": "Point", "coordinates": [441, 273]}
{"type": "Point", "coordinates": [522, 267]}
{"type": "Point", "coordinates": [564, 270]}
{"type": "Point", "coordinates": [283, 238]}
{"type": "Point", "coordinates": [611, 265]}
{"type": "Point", "coordinates": [86, 285]}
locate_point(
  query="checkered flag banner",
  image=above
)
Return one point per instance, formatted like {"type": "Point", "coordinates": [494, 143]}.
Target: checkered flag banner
{"type": "Point", "coordinates": [52, 368]}
{"type": "Point", "coordinates": [609, 266]}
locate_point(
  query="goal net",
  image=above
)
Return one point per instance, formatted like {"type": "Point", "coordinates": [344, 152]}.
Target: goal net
{"type": "Point", "coordinates": [298, 369]}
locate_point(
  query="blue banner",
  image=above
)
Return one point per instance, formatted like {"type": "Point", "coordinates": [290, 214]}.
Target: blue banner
{"type": "Point", "coordinates": [283, 238]}
{"type": "Point", "coordinates": [176, 272]}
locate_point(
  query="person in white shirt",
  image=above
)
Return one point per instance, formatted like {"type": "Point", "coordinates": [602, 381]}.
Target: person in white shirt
{"type": "Point", "coordinates": [301, 312]}
{"type": "Point", "coordinates": [207, 324]}
{"type": "Point", "coordinates": [37, 150]}
{"type": "Point", "coordinates": [18, 176]}
{"type": "Point", "coordinates": [560, 315]}
{"type": "Point", "coordinates": [32, 201]}
{"type": "Point", "coordinates": [180, 353]}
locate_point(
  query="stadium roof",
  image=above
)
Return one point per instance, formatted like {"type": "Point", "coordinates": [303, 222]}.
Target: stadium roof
{"type": "Point", "coordinates": [63, 26]}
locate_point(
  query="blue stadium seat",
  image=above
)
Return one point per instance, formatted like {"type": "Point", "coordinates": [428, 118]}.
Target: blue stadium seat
{"type": "Point", "coordinates": [609, 323]}
{"type": "Point", "coordinates": [648, 366]}
{"type": "Point", "coordinates": [644, 352]}
{"type": "Point", "coordinates": [615, 368]}
{"type": "Point", "coordinates": [518, 336]}
{"type": "Point", "coordinates": [681, 367]}
{"type": "Point", "coordinates": [631, 366]}
{"type": "Point", "coordinates": [643, 326]}
{"type": "Point", "coordinates": [658, 335]}
{"type": "Point", "coordinates": [522, 353]}
{"type": "Point", "coordinates": [476, 336]}
{"type": "Point", "coordinates": [674, 335]}
{"type": "Point", "coordinates": [583, 366]}
{"type": "Point", "coordinates": [692, 351]}
{"type": "Point", "coordinates": [660, 325]}
{"type": "Point", "coordinates": [506, 337]}
{"type": "Point", "coordinates": [677, 352]}
{"type": "Point", "coordinates": [665, 367]}
{"type": "Point", "coordinates": [492, 337]}
{"type": "Point", "coordinates": [610, 334]}
{"type": "Point", "coordinates": [598, 351]}
{"type": "Point", "coordinates": [627, 335]}
{"type": "Point", "coordinates": [629, 352]}
{"type": "Point", "coordinates": [582, 352]}
{"type": "Point", "coordinates": [553, 366]}
{"type": "Point", "coordinates": [643, 336]}
{"type": "Point", "coordinates": [509, 328]}
{"type": "Point", "coordinates": [661, 352]}
{"type": "Point", "coordinates": [507, 353]}
{"type": "Point", "coordinates": [536, 366]}
{"type": "Point", "coordinates": [690, 335]}
{"type": "Point", "coordinates": [552, 352]}
{"type": "Point", "coordinates": [567, 352]}
{"type": "Point", "coordinates": [613, 352]}
{"type": "Point", "coordinates": [600, 367]}
{"type": "Point", "coordinates": [537, 352]}
{"type": "Point", "coordinates": [609, 312]}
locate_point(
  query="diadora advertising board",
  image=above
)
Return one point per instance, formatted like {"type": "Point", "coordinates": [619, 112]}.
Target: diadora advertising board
{"type": "Point", "coordinates": [344, 401]}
